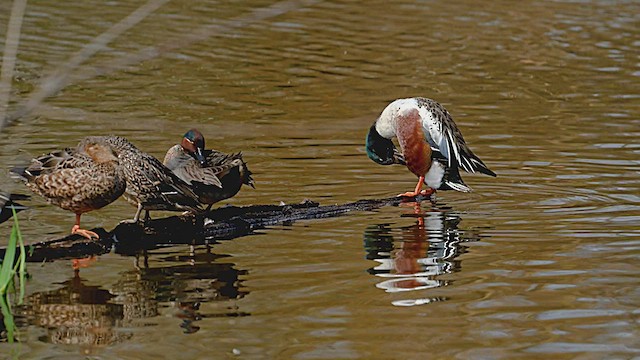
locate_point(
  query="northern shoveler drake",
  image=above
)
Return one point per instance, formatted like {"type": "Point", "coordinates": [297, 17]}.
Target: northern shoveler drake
{"type": "Point", "coordinates": [80, 180]}
{"type": "Point", "coordinates": [150, 185]}
{"type": "Point", "coordinates": [213, 175]}
{"type": "Point", "coordinates": [8, 203]}
{"type": "Point", "coordinates": [432, 146]}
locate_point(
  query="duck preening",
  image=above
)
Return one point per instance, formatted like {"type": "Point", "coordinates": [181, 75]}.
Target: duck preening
{"type": "Point", "coordinates": [150, 185]}
{"type": "Point", "coordinates": [213, 175]}
{"type": "Point", "coordinates": [431, 145]}
{"type": "Point", "coordinates": [79, 179]}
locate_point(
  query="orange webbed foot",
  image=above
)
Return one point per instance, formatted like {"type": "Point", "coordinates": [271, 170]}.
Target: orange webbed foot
{"type": "Point", "coordinates": [408, 194]}
{"type": "Point", "coordinates": [427, 192]}
{"type": "Point", "coordinates": [86, 233]}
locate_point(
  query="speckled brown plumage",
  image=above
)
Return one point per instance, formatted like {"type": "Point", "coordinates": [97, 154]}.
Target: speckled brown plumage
{"type": "Point", "coordinates": [150, 185]}
{"type": "Point", "coordinates": [79, 180]}
{"type": "Point", "coordinates": [217, 177]}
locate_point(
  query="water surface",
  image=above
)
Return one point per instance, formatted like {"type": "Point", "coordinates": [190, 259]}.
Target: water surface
{"type": "Point", "coordinates": [540, 261]}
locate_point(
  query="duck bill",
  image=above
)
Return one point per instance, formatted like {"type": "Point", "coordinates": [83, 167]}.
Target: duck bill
{"type": "Point", "coordinates": [200, 156]}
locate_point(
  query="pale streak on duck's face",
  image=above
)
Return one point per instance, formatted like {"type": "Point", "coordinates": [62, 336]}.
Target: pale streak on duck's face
{"type": "Point", "coordinates": [188, 145]}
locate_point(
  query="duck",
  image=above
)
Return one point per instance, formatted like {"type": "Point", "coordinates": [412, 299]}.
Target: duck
{"type": "Point", "coordinates": [431, 145]}
{"type": "Point", "coordinates": [8, 204]}
{"type": "Point", "coordinates": [79, 180]}
{"type": "Point", "coordinates": [213, 175]}
{"type": "Point", "coordinates": [150, 184]}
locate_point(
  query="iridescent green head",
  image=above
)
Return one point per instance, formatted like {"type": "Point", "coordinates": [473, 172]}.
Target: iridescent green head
{"type": "Point", "coordinates": [193, 144]}
{"type": "Point", "coordinates": [382, 150]}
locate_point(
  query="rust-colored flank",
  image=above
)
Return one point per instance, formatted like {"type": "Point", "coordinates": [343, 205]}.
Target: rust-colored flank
{"type": "Point", "coordinates": [416, 150]}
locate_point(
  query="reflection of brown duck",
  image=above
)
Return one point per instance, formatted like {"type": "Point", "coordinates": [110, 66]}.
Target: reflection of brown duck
{"type": "Point", "coordinates": [79, 180]}
{"type": "Point", "coordinates": [76, 314]}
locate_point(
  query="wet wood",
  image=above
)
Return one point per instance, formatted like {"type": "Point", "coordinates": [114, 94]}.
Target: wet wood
{"type": "Point", "coordinates": [221, 224]}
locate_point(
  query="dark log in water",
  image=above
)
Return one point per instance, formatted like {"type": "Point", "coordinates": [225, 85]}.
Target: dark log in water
{"type": "Point", "coordinates": [221, 224]}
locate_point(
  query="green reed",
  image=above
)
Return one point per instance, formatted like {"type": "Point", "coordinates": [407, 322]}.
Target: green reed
{"type": "Point", "coordinates": [8, 271]}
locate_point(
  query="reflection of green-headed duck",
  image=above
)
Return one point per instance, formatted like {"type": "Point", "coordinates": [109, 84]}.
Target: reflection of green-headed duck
{"type": "Point", "coordinates": [150, 185]}
{"type": "Point", "coordinates": [431, 145]}
{"type": "Point", "coordinates": [213, 175]}
{"type": "Point", "coordinates": [8, 204]}
{"type": "Point", "coordinates": [79, 180]}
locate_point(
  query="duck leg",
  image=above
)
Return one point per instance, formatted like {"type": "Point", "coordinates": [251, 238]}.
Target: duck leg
{"type": "Point", "coordinates": [136, 217]}
{"type": "Point", "coordinates": [418, 211]}
{"type": "Point", "coordinates": [147, 217]}
{"type": "Point", "coordinates": [86, 233]}
{"type": "Point", "coordinates": [418, 190]}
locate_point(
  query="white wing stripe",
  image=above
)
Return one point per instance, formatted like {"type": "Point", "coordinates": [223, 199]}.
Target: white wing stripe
{"type": "Point", "coordinates": [453, 145]}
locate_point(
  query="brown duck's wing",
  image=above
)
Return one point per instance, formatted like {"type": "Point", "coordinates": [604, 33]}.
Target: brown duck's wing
{"type": "Point", "coordinates": [191, 171]}
{"type": "Point", "coordinates": [168, 183]}
{"type": "Point", "coordinates": [216, 158]}
{"type": "Point", "coordinates": [60, 159]}
{"type": "Point", "coordinates": [222, 164]}
{"type": "Point", "coordinates": [63, 182]}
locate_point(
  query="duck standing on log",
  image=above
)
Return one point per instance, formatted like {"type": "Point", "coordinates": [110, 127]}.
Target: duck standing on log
{"type": "Point", "coordinates": [213, 175]}
{"type": "Point", "coordinates": [432, 146]}
{"type": "Point", "coordinates": [80, 180]}
{"type": "Point", "coordinates": [150, 185]}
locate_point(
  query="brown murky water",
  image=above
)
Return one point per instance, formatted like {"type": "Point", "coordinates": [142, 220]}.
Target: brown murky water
{"type": "Point", "coordinates": [542, 261]}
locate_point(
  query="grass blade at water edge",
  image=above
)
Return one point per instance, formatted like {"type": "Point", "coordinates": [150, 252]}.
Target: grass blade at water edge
{"type": "Point", "coordinates": [22, 271]}
{"type": "Point", "coordinates": [7, 318]}
{"type": "Point", "coordinates": [7, 269]}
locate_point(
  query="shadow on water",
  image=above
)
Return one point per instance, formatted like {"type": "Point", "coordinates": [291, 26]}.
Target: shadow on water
{"type": "Point", "coordinates": [412, 258]}
{"type": "Point", "coordinates": [81, 314]}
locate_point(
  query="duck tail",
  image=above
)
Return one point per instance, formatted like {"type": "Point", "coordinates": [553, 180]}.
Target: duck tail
{"type": "Point", "coordinates": [245, 173]}
{"type": "Point", "coordinates": [478, 165]}
{"type": "Point", "coordinates": [453, 181]}
{"type": "Point", "coordinates": [21, 172]}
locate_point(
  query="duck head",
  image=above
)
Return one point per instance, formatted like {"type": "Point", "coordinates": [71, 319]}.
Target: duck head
{"type": "Point", "coordinates": [193, 144]}
{"type": "Point", "coordinates": [99, 152]}
{"type": "Point", "coordinates": [382, 150]}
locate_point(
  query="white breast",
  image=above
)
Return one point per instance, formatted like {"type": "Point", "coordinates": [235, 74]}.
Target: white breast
{"type": "Point", "coordinates": [386, 123]}
{"type": "Point", "coordinates": [433, 177]}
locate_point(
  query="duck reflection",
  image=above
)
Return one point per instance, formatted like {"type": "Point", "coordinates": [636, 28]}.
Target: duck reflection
{"type": "Point", "coordinates": [411, 258]}
{"type": "Point", "coordinates": [92, 316]}
{"type": "Point", "coordinates": [200, 277]}
{"type": "Point", "coordinates": [76, 313]}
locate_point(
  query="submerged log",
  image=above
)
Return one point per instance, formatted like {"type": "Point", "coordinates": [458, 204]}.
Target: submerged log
{"type": "Point", "coordinates": [225, 223]}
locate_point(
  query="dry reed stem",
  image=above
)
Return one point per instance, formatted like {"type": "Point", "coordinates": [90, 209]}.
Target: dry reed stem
{"type": "Point", "coordinates": [173, 44]}
{"type": "Point", "coordinates": [9, 57]}
{"type": "Point", "coordinates": [60, 77]}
